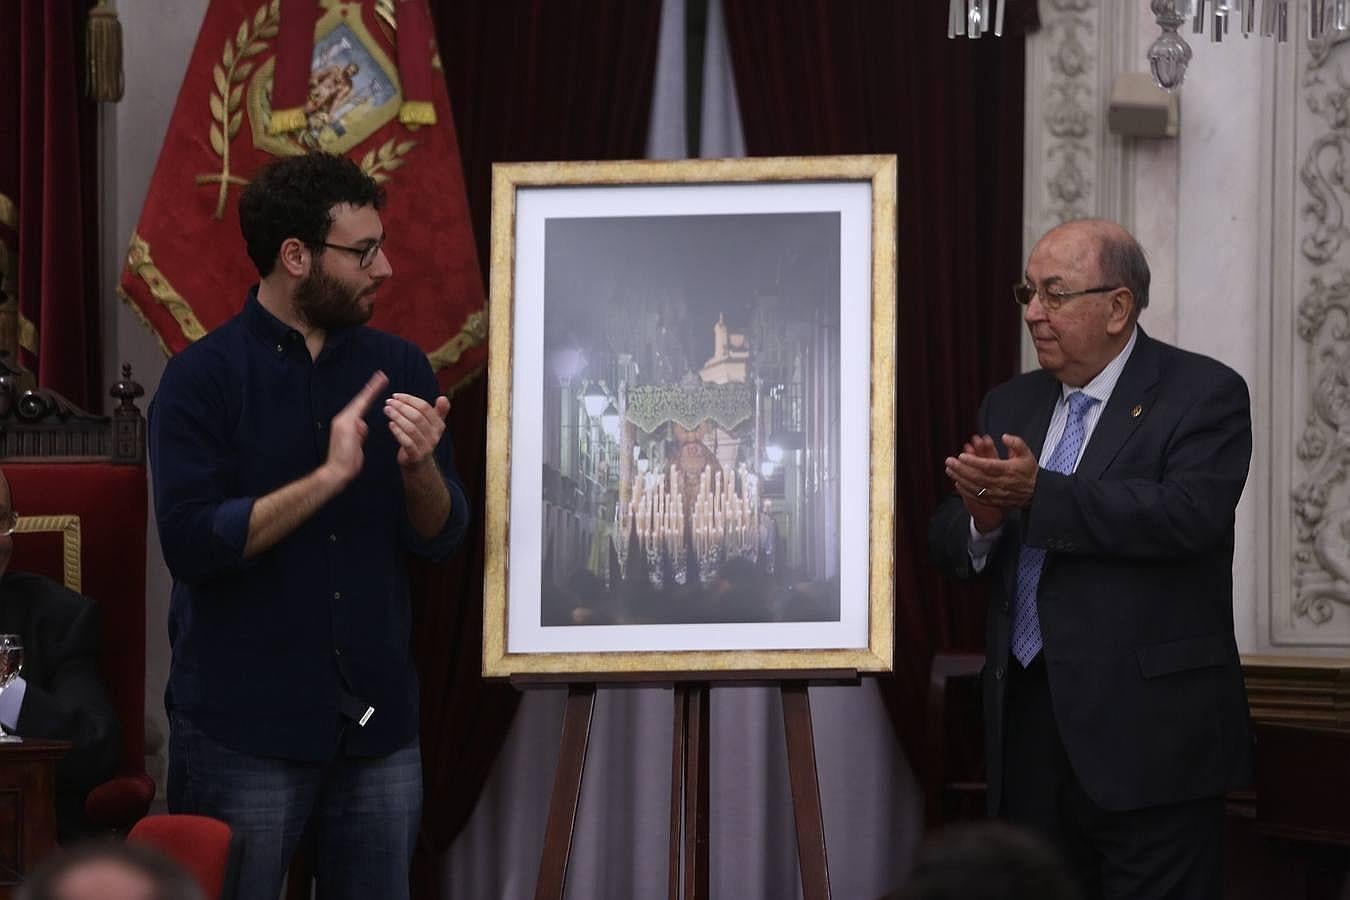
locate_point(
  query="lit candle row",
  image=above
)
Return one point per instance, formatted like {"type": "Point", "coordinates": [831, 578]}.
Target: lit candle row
{"type": "Point", "coordinates": [725, 511]}
{"type": "Point", "coordinates": [656, 513]}
{"type": "Point", "coordinates": [724, 518]}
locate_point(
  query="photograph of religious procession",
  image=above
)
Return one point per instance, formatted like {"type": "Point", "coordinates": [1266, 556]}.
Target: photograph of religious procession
{"type": "Point", "coordinates": [687, 479]}
{"type": "Point", "coordinates": [689, 460]}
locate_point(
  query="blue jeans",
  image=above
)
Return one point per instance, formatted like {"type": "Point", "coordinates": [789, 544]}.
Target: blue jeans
{"type": "Point", "coordinates": [364, 812]}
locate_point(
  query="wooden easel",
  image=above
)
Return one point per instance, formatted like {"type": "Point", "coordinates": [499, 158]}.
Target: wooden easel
{"type": "Point", "coordinates": [689, 787]}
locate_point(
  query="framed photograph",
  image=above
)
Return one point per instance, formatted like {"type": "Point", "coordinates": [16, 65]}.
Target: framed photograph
{"type": "Point", "coordinates": [691, 422]}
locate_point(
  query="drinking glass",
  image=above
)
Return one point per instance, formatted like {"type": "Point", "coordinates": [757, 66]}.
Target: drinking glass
{"type": "Point", "coordinates": [11, 663]}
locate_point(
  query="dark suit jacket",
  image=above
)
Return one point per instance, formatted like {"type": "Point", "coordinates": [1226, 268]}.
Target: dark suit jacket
{"type": "Point", "coordinates": [65, 698]}
{"type": "Point", "coordinates": [1136, 597]}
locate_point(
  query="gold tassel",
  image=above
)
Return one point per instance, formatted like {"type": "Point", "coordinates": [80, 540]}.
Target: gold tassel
{"type": "Point", "coordinates": [285, 120]}
{"type": "Point", "coordinates": [103, 47]}
{"type": "Point", "coordinates": [417, 112]}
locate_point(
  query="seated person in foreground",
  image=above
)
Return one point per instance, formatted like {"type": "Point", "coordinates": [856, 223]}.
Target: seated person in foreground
{"type": "Point", "coordinates": [58, 694]}
{"type": "Point", "coordinates": [987, 861]}
{"type": "Point", "coordinates": [109, 870]}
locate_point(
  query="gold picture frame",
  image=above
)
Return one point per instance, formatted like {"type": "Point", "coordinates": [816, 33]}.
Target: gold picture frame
{"type": "Point", "coordinates": [730, 521]}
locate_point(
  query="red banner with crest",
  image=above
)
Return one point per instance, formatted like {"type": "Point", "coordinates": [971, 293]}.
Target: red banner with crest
{"type": "Point", "coordinates": [373, 92]}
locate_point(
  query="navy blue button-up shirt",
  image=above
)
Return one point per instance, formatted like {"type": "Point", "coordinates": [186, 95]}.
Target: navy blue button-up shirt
{"type": "Point", "coordinates": [269, 652]}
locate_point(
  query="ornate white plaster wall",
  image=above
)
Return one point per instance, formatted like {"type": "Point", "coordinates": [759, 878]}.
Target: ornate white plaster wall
{"type": "Point", "coordinates": [1221, 248]}
{"type": "Point", "coordinates": [1243, 219]}
{"type": "Point", "coordinates": [1307, 346]}
{"type": "Point", "coordinates": [1074, 167]}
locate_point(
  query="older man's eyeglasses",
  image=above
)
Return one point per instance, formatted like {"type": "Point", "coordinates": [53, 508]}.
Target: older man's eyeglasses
{"type": "Point", "coordinates": [8, 522]}
{"type": "Point", "coordinates": [367, 252]}
{"type": "Point", "coordinates": [1052, 299]}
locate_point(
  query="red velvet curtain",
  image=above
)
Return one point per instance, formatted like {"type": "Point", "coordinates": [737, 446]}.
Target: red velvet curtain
{"type": "Point", "coordinates": [877, 76]}
{"type": "Point", "coordinates": [545, 80]}
{"type": "Point", "coordinates": [528, 80]}
{"type": "Point", "coordinates": [48, 193]}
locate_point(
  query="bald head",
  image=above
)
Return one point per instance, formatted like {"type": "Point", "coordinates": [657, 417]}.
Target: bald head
{"type": "Point", "coordinates": [105, 879]}
{"type": "Point", "coordinates": [1120, 259]}
{"type": "Point", "coordinates": [109, 870]}
{"type": "Point", "coordinates": [1090, 280]}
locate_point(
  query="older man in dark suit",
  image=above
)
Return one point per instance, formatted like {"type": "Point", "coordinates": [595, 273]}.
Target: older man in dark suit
{"type": "Point", "coordinates": [1097, 497]}
{"type": "Point", "coordinates": [59, 695]}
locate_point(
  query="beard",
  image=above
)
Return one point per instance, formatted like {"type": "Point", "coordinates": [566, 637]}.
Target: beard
{"type": "Point", "coordinates": [328, 303]}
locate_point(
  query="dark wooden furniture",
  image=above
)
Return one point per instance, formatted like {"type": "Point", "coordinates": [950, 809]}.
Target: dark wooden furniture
{"type": "Point", "coordinates": [1288, 836]}
{"type": "Point", "coordinates": [27, 807]}
{"type": "Point", "coordinates": [1303, 783]}
{"type": "Point", "coordinates": [79, 485]}
{"type": "Point", "coordinates": [37, 424]}
{"type": "Point", "coordinates": [951, 769]}
{"type": "Point", "coordinates": [1301, 714]}
{"type": "Point", "coordinates": [1299, 690]}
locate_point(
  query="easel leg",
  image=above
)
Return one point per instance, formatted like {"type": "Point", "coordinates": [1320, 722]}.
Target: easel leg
{"type": "Point", "coordinates": [562, 804]}
{"type": "Point", "coordinates": [801, 751]}
{"type": "Point", "coordinates": [679, 733]}
{"type": "Point", "coordinates": [689, 795]}
{"type": "Point", "coordinates": [696, 796]}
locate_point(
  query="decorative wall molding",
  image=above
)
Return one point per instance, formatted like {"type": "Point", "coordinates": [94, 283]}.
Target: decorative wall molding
{"type": "Point", "coordinates": [1062, 124]}
{"type": "Point", "coordinates": [1306, 350]}
{"type": "Point", "coordinates": [1073, 166]}
{"type": "Point", "coordinates": [1296, 691]}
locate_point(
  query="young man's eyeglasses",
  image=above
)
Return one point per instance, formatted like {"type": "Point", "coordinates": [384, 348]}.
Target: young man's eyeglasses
{"type": "Point", "coordinates": [368, 252]}
{"type": "Point", "coordinates": [1051, 299]}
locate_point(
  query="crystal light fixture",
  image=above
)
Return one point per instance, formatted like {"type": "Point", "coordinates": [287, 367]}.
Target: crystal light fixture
{"type": "Point", "coordinates": [973, 18]}
{"type": "Point", "coordinates": [1169, 54]}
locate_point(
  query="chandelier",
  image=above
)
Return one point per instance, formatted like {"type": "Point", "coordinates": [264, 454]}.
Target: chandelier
{"type": "Point", "coordinates": [972, 18]}
{"type": "Point", "coordinates": [1169, 54]}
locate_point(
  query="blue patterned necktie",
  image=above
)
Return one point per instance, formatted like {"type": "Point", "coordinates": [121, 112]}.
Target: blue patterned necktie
{"type": "Point", "coordinates": [1026, 631]}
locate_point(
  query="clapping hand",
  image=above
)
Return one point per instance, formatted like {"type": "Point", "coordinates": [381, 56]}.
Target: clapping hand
{"type": "Point", "coordinates": [417, 426]}
{"type": "Point", "coordinates": [347, 437]}
{"type": "Point", "coordinates": [986, 516]}
{"type": "Point", "coordinates": [991, 486]}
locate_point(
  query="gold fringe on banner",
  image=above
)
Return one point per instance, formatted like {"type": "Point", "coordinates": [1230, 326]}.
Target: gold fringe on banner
{"type": "Point", "coordinates": [293, 63]}
{"type": "Point", "coordinates": [284, 120]}
{"type": "Point", "coordinates": [473, 333]}
{"type": "Point", "coordinates": [417, 112]}
{"type": "Point", "coordinates": [103, 47]}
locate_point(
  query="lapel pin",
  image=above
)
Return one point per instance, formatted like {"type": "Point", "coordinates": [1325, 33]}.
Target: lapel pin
{"type": "Point", "coordinates": [1134, 413]}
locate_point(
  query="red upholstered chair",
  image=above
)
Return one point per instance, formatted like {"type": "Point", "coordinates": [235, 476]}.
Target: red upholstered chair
{"type": "Point", "coordinates": [207, 848]}
{"type": "Point", "coordinates": [78, 483]}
